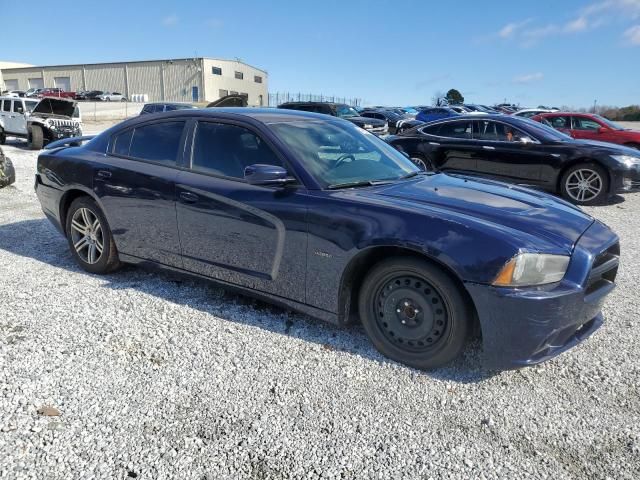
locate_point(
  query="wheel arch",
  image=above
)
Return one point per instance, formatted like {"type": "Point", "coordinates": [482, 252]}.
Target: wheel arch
{"type": "Point", "coordinates": [578, 161]}
{"type": "Point", "coordinates": [68, 197]}
{"type": "Point", "coordinates": [362, 263]}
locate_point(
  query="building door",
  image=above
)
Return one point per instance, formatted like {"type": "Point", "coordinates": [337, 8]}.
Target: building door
{"type": "Point", "coordinates": [194, 94]}
{"type": "Point", "coordinates": [11, 84]}
{"type": "Point", "coordinates": [64, 83]}
{"type": "Point", "coordinates": [36, 83]}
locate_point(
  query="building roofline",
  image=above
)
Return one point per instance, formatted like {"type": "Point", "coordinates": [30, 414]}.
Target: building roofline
{"type": "Point", "coordinates": [70, 65]}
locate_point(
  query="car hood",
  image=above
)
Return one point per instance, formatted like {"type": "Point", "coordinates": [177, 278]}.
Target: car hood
{"type": "Point", "coordinates": [535, 213]}
{"type": "Point", "coordinates": [604, 147]}
{"type": "Point", "coordinates": [375, 122]}
{"type": "Point", "coordinates": [55, 106]}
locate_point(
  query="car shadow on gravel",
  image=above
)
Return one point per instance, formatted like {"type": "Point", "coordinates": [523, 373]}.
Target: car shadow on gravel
{"type": "Point", "coordinates": [39, 240]}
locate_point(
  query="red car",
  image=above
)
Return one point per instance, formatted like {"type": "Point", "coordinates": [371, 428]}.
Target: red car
{"type": "Point", "coordinates": [587, 126]}
{"type": "Point", "coordinates": [56, 92]}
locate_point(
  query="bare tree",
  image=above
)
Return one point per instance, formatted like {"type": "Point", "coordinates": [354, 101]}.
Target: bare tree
{"type": "Point", "coordinates": [438, 98]}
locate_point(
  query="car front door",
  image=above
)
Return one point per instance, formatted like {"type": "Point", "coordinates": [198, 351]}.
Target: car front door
{"type": "Point", "coordinates": [508, 153]}
{"type": "Point", "coordinates": [248, 235]}
{"type": "Point", "coordinates": [135, 183]}
{"type": "Point", "coordinates": [589, 129]}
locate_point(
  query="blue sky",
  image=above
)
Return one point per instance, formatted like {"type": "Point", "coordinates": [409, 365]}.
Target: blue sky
{"type": "Point", "coordinates": [386, 52]}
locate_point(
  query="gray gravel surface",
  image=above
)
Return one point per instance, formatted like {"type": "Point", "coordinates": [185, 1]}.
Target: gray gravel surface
{"type": "Point", "coordinates": [150, 376]}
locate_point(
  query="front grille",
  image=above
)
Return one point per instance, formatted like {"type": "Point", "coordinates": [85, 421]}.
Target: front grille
{"type": "Point", "coordinates": [604, 269]}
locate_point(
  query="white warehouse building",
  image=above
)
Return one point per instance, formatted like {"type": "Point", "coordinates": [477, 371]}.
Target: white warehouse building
{"type": "Point", "coordinates": [182, 79]}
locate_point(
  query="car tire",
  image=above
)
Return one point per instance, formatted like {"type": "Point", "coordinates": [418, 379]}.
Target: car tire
{"type": "Point", "coordinates": [633, 145]}
{"type": "Point", "coordinates": [89, 236]}
{"type": "Point", "coordinates": [36, 137]}
{"type": "Point", "coordinates": [3, 136]}
{"type": "Point", "coordinates": [123, 99]}
{"type": "Point", "coordinates": [421, 162]}
{"type": "Point", "coordinates": [585, 184]}
{"type": "Point", "coordinates": [414, 313]}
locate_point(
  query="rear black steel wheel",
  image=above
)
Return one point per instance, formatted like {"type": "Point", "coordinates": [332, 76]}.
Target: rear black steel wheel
{"type": "Point", "coordinates": [414, 312]}
{"type": "Point", "coordinates": [421, 162]}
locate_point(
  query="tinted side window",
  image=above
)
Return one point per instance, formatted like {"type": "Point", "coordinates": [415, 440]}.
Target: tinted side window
{"type": "Point", "coordinates": [559, 122]}
{"type": "Point", "coordinates": [484, 130]}
{"type": "Point", "coordinates": [582, 123]}
{"type": "Point", "coordinates": [455, 130]}
{"type": "Point", "coordinates": [122, 142]}
{"type": "Point", "coordinates": [227, 149]}
{"type": "Point", "coordinates": [158, 142]}
{"type": "Point", "coordinates": [431, 130]}
{"type": "Point", "coordinates": [6, 105]}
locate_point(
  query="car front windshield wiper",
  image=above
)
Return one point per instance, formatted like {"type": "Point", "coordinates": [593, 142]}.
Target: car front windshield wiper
{"type": "Point", "coordinates": [360, 183]}
{"type": "Point", "coordinates": [412, 174]}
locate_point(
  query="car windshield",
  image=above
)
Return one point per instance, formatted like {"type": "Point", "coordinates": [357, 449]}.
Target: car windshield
{"type": "Point", "coordinates": [30, 105]}
{"type": "Point", "coordinates": [609, 123]}
{"type": "Point", "coordinates": [542, 131]}
{"type": "Point", "coordinates": [345, 111]}
{"type": "Point", "coordinates": [340, 155]}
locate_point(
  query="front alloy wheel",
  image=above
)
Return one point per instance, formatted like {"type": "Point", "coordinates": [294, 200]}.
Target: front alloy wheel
{"type": "Point", "coordinates": [585, 184]}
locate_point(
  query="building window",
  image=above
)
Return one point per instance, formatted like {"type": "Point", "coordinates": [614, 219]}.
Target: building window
{"type": "Point", "coordinates": [239, 75]}
{"type": "Point", "coordinates": [216, 70]}
{"type": "Point", "coordinates": [257, 79]}
{"type": "Point", "coordinates": [223, 93]}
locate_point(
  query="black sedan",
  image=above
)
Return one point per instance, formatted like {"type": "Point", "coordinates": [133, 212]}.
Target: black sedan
{"type": "Point", "coordinates": [518, 150]}
{"type": "Point", "coordinates": [311, 212]}
{"type": "Point", "coordinates": [397, 123]}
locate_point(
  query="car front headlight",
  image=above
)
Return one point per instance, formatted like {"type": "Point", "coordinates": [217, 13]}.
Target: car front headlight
{"type": "Point", "coordinates": [628, 160]}
{"type": "Point", "coordinates": [529, 269]}
{"type": "Point", "coordinates": [366, 125]}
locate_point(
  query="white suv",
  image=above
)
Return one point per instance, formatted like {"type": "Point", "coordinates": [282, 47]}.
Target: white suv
{"type": "Point", "coordinates": [39, 121]}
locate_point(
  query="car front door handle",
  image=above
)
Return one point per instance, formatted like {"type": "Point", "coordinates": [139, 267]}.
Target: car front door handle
{"type": "Point", "coordinates": [104, 174]}
{"type": "Point", "coordinates": [435, 144]}
{"type": "Point", "coordinates": [187, 197]}
{"type": "Point", "coordinates": [487, 147]}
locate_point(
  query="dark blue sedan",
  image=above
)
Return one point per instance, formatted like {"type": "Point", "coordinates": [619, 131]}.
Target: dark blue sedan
{"type": "Point", "coordinates": [435, 113]}
{"type": "Point", "coordinates": [318, 215]}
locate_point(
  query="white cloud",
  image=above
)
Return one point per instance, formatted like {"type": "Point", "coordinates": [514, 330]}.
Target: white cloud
{"type": "Point", "coordinates": [528, 78]}
{"type": "Point", "coordinates": [591, 17]}
{"type": "Point", "coordinates": [170, 20]}
{"type": "Point", "coordinates": [632, 35]}
{"type": "Point", "coordinates": [512, 28]}
{"type": "Point", "coordinates": [578, 25]}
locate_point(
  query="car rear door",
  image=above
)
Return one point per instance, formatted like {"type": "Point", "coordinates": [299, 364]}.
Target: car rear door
{"type": "Point", "coordinates": [248, 235]}
{"type": "Point", "coordinates": [452, 147]}
{"type": "Point", "coordinates": [135, 182]}
{"type": "Point", "coordinates": [560, 122]}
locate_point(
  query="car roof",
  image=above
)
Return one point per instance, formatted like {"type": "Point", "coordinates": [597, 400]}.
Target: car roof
{"type": "Point", "coordinates": [559, 113]}
{"type": "Point", "coordinates": [263, 115]}
{"type": "Point", "coordinates": [484, 118]}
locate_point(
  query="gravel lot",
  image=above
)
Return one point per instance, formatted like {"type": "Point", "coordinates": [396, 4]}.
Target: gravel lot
{"type": "Point", "coordinates": [141, 375]}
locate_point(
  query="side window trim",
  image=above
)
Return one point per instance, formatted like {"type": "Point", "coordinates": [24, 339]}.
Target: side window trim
{"type": "Point", "coordinates": [452, 138]}
{"type": "Point", "coordinates": [181, 147]}
{"type": "Point", "coordinates": [224, 121]}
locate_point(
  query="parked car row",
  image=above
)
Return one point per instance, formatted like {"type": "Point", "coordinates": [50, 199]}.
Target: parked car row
{"type": "Point", "coordinates": [312, 212]}
{"type": "Point", "coordinates": [90, 95]}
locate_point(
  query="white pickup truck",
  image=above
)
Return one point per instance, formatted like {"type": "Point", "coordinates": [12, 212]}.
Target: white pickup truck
{"type": "Point", "coordinates": [39, 121]}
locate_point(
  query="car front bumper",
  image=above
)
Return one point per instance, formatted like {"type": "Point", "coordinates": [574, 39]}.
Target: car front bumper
{"type": "Point", "coordinates": [526, 326]}
{"type": "Point", "coordinates": [625, 179]}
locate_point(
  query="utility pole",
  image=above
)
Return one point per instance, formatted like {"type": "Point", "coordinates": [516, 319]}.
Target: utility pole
{"type": "Point", "coordinates": [594, 105]}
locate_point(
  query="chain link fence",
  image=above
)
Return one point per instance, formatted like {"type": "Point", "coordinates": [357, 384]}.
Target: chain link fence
{"type": "Point", "coordinates": [278, 98]}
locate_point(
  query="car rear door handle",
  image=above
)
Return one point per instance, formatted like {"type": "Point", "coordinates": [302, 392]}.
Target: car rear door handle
{"type": "Point", "coordinates": [435, 144]}
{"type": "Point", "coordinates": [188, 197]}
{"type": "Point", "coordinates": [104, 174]}
{"type": "Point", "coordinates": [487, 147]}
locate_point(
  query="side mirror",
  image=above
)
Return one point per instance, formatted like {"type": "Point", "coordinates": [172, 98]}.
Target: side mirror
{"type": "Point", "coordinates": [273, 175]}
{"type": "Point", "coordinates": [19, 109]}
{"type": "Point", "coordinates": [602, 130]}
{"type": "Point", "coordinates": [526, 140]}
